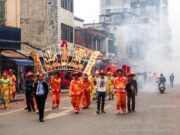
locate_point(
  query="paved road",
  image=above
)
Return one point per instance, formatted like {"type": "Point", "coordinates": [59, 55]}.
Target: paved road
{"type": "Point", "coordinates": [155, 114]}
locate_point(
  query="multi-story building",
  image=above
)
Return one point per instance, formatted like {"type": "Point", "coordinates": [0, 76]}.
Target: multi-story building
{"type": "Point", "coordinates": [96, 40]}
{"type": "Point", "coordinates": [47, 22]}
{"type": "Point", "coordinates": [10, 13]}
{"type": "Point", "coordinates": [139, 26]}
{"type": "Point", "coordinates": [78, 22]}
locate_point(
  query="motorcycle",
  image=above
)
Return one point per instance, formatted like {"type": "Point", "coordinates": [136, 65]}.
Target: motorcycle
{"type": "Point", "coordinates": [162, 88]}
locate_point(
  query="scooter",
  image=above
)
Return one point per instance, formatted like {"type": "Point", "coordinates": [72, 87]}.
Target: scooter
{"type": "Point", "coordinates": [162, 88]}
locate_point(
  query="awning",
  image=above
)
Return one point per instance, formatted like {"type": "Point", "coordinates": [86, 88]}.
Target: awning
{"type": "Point", "coordinates": [23, 62]}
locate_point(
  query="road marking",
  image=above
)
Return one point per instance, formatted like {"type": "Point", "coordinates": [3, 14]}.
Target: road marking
{"type": "Point", "coordinates": [18, 110]}
{"type": "Point", "coordinates": [59, 114]}
{"type": "Point", "coordinates": [11, 111]}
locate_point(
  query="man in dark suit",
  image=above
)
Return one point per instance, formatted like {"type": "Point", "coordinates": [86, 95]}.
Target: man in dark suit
{"type": "Point", "coordinates": [131, 88]}
{"type": "Point", "coordinates": [41, 92]}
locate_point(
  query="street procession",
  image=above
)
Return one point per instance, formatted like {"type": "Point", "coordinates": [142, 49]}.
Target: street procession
{"type": "Point", "coordinates": [84, 86]}
{"type": "Point", "coordinates": [89, 67]}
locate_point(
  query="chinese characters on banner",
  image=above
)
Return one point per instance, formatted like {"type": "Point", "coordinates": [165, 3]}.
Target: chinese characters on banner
{"type": "Point", "coordinates": [66, 57]}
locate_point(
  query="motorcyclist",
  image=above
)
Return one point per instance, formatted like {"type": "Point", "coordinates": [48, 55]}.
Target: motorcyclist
{"type": "Point", "coordinates": [162, 80]}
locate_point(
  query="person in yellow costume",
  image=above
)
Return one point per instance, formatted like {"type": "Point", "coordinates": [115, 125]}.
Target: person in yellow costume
{"type": "Point", "coordinates": [12, 78]}
{"type": "Point", "coordinates": [110, 90]}
{"type": "Point", "coordinates": [5, 89]}
{"type": "Point", "coordinates": [93, 87]}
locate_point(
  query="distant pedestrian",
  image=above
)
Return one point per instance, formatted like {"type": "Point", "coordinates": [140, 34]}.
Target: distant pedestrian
{"type": "Point", "coordinates": [132, 89]}
{"type": "Point", "coordinates": [41, 91]}
{"type": "Point", "coordinates": [29, 91]}
{"type": "Point", "coordinates": [171, 78]}
{"type": "Point", "coordinates": [102, 86]}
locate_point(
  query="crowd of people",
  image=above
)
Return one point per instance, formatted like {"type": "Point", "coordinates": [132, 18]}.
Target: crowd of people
{"type": "Point", "coordinates": [121, 86]}
{"type": "Point", "coordinates": [82, 90]}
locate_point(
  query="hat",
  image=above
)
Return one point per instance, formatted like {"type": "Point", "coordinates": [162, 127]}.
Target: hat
{"type": "Point", "coordinates": [5, 72]}
{"type": "Point", "coordinates": [109, 73]}
{"type": "Point", "coordinates": [29, 73]}
{"type": "Point", "coordinates": [10, 70]}
{"type": "Point", "coordinates": [119, 70]}
{"type": "Point", "coordinates": [102, 73]}
{"type": "Point", "coordinates": [76, 74]}
{"type": "Point", "coordinates": [37, 74]}
{"type": "Point", "coordinates": [131, 74]}
{"type": "Point", "coordinates": [56, 72]}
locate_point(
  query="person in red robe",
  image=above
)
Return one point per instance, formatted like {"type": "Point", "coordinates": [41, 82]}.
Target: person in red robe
{"type": "Point", "coordinates": [55, 83]}
{"type": "Point", "coordinates": [120, 92]}
{"type": "Point", "coordinates": [86, 95]}
{"type": "Point", "coordinates": [75, 91]}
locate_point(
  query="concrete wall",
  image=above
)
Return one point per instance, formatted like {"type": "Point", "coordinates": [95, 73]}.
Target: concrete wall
{"type": "Point", "coordinates": [12, 13]}
{"type": "Point", "coordinates": [39, 22]}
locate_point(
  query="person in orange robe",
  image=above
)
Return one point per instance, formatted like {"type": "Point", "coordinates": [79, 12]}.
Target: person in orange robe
{"type": "Point", "coordinates": [55, 83]}
{"type": "Point", "coordinates": [120, 92]}
{"type": "Point", "coordinates": [12, 78]}
{"type": "Point", "coordinates": [76, 91]}
{"type": "Point", "coordinates": [86, 94]}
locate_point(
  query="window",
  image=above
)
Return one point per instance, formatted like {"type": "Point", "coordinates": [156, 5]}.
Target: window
{"type": "Point", "coordinates": [66, 33]}
{"type": "Point", "coordinates": [68, 5]}
{"type": "Point", "coordinates": [108, 2]}
{"type": "Point", "coordinates": [111, 48]}
{"type": "Point", "coordinates": [1, 10]}
{"type": "Point", "coordinates": [108, 11]}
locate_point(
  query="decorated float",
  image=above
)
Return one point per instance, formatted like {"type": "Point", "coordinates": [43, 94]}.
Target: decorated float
{"type": "Point", "coordinates": [65, 57]}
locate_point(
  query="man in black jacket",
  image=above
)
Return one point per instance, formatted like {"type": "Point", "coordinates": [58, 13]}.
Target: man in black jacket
{"type": "Point", "coordinates": [41, 91]}
{"type": "Point", "coordinates": [131, 88]}
{"type": "Point", "coordinates": [29, 91]}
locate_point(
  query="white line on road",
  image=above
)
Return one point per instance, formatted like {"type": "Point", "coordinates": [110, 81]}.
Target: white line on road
{"type": "Point", "coordinates": [59, 114]}
{"type": "Point", "coordinates": [18, 110]}
{"type": "Point", "coordinates": [11, 111]}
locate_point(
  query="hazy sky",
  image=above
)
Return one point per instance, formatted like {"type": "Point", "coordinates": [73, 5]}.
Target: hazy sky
{"type": "Point", "coordinates": [89, 11]}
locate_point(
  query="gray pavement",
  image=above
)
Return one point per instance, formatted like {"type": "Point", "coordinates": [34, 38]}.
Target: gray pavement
{"type": "Point", "coordinates": [155, 114]}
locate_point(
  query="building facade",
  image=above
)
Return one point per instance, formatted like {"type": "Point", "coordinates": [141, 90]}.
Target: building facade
{"type": "Point", "coordinates": [47, 22]}
{"type": "Point", "coordinates": [96, 40]}
{"type": "Point", "coordinates": [141, 28]}
{"type": "Point", "coordinates": [10, 13]}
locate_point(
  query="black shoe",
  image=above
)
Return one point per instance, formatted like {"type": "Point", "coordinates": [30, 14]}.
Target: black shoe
{"type": "Point", "coordinates": [25, 108]}
{"type": "Point", "coordinates": [41, 120]}
{"type": "Point", "coordinates": [129, 111]}
{"type": "Point", "coordinates": [29, 110]}
{"type": "Point", "coordinates": [133, 111]}
{"type": "Point", "coordinates": [76, 112]}
{"type": "Point", "coordinates": [53, 107]}
{"type": "Point", "coordinates": [97, 112]}
{"type": "Point", "coordinates": [103, 111]}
